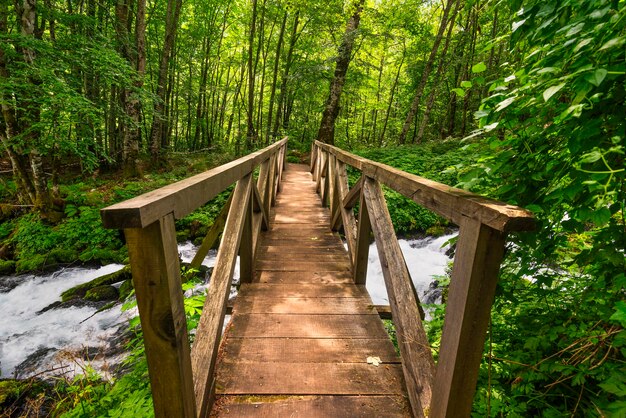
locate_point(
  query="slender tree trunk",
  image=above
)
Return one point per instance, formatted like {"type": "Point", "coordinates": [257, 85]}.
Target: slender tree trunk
{"type": "Point", "coordinates": [251, 133]}
{"type": "Point", "coordinates": [440, 66]}
{"type": "Point", "coordinates": [326, 132]}
{"type": "Point", "coordinates": [425, 74]}
{"type": "Point", "coordinates": [468, 95]}
{"type": "Point", "coordinates": [285, 78]}
{"type": "Point", "coordinates": [279, 45]}
{"type": "Point", "coordinates": [391, 97]}
{"type": "Point", "coordinates": [159, 126]}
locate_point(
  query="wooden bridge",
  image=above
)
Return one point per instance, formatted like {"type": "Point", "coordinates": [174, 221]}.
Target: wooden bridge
{"type": "Point", "coordinates": [304, 330]}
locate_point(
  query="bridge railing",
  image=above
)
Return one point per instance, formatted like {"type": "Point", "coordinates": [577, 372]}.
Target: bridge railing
{"type": "Point", "coordinates": [182, 378]}
{"type": "Point", "coordinates": [447, 388]}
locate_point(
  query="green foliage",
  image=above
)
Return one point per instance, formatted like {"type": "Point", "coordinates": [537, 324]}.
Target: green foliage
{"type": "Point", "coordinates": [554, 141]}
{"type": "Point", "coordinates": [440, 161]}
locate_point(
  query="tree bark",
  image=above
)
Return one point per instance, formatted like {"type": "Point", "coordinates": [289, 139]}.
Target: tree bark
{"type": "Point", "coordinates": [279, 46]}
{"type": "Point", "coordinates": [285, 78]}
{"type": "Point", "coordinates": [391, 96]}
{"type": "Point", "coordinates": [251, 133]}
{"type": "Point", "coordinates": [425, 74]}
{"type": "Point", "coordinates": [326, 132]}
{"type": "Point", "coordinates": [434, 88]}
{"type": "Point", "coordinates": [159, 127]}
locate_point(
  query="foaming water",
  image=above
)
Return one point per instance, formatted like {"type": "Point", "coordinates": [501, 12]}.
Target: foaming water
{"type": "Point", "coordinates": [425, 258]}
{"type": "Point", "coordinates": [24, 331]}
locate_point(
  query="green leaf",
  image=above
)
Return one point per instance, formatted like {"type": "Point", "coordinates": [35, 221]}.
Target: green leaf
{"type": "Point", "coordinates": [597, 77]}
{"type": "Point", "coordinates": [613, 43]}
{"type": "Point", "coordinates": [516, 25]}
{"type": "Point", "coordinates": [479, 68]}
{"type": "Point", "coordinates": [505, 103]}
{"type": "Point", "coordinates": [466, 84]}
{"type": "Point", "coordinates": [459, 92]}
{"type": "Point", "coordinates": [551, 91]}
{"type": "Point", "coordinates": [601, 216]}
{"type": "Point", "coordinates": [591, 157]}
{"type": "Point", "coordinates": [620, 313]}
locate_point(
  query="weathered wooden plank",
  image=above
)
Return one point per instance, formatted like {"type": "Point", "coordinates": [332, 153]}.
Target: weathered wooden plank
{"type": "Point", "coordinates": [156, 276]}
{"type": "Point", "coordinates": [364, 230]}
{"type": "Point", "coordinates": [204, 351]}
{"type": "Point", "coordinates": [303, 277]}
{"type": "Point", "coordinates": [474, 278]}
{"type": "Point", "coordinates": [310, 378]}
{"type": "Point", "coordinates": [325, 256]}
{"type": "Point", "coordinates": [449, 202]}
{"type": "Point", "coordinates": [300, 242]}
{"type": "Point", "coordinates": [308, 350]}
{"type": "Point", "coordinates": [305, 290]}
{"type": "Point", "coordinates": [212, 235]}
{"type": "Point", "coordinates": [313, 157]}
{"type": "Point", "coordinates": [387, 406]}
{"type": "Point", "coordinates": [183, 197]}
{"type": "Point", "coordinates": [318, 266]}
{"type": "Point", "coordinates": [276, 251]}
{"type": "Point", "coordinates": [304, 305]}
{"type": "Point", "coordinates": [417, 360]}
{"type": "Point", "coordinates": [306, 326]}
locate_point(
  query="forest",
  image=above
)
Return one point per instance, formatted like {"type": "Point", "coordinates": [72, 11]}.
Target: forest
{"type": "Point", "coordinates": [523, 101]}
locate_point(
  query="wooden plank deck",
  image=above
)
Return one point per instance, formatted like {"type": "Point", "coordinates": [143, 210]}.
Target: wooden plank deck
{"type": "Point", "coordinates": [301, 333]}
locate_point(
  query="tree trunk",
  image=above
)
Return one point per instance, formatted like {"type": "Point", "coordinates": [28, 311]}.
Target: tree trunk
{"type": "Point", "coordinates": [425, 74]}
{"type": "Point", "coordinates": [279, 46]}
{"type": "Point", "coordinates": [251, 133]}
{"type": "Point", "coordinates": [326, 132]}
{"type": "Point", "coordinates": [433, 90]}
{"type": "Point", "coordinates": [391, 96]}
{"type": "Point", "coordinates": [285, 78]}
{"type": "Point", "coordinates": [159, 127]}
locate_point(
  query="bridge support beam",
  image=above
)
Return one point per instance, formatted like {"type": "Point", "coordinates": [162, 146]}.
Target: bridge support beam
{"type": "Point", "coordinates": [472, 288]}
{"type": "Point", "coordinates": [156, 276]}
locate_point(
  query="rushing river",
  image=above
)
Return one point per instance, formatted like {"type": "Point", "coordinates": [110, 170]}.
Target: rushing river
{"type": "Point", "coordinates": [63, 340]}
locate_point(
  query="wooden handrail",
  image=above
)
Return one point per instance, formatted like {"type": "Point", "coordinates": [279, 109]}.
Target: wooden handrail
{"type": "Point", "coordinates": [448, 202]}
{"type": "Point", "coordinates": [182, 378]}
{"type": "Point", "coordinates": [183, 197]}
{"type": "Point", "coordinates": [447, 389]}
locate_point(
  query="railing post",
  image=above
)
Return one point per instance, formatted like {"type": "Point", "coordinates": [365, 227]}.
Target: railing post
{"type": "Point", "coordinates": [474, 277]}
{"type": "Point", "coordinates": [246, 247]}
{"type": "Point", "coordinates": [417, 360]}
{"type": "Point", "coordinates": [364, 230]}
{"type": "Point", "coordinates": [156, 276]}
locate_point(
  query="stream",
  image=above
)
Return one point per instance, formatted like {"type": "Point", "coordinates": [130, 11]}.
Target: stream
{"type": "Point", "coordinates": [64, 340]}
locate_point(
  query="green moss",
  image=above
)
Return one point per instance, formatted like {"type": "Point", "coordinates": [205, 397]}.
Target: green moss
{"type": "Point", "coordinates": [7, 267]}
{"type": "Point", "coordinates": [33, 263]}
{"type": "Point", "coordinates": [81, 290]}
{"type": "Point", "coordinates": [436, 231]}
{"type": "Point", "coordinates": [101, 293]}
{"type": "Point", "coordinates": [63, 255]}
{"type": "Point", "coordinates": [125, 289]}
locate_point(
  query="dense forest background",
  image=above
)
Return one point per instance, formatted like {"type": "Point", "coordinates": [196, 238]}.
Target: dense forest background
{"type": "Point", "coordinates": [526, 98]}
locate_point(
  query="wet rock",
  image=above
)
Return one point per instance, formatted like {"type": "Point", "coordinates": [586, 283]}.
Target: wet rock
{"type": "Point", "coordinates": [9, 283]}
{"type": "Point", "coordinates": [433, 294]}
{"type": "Point", "coordinates": [33, 362]}
{"type": "Point", "coordinates": [77, 303]}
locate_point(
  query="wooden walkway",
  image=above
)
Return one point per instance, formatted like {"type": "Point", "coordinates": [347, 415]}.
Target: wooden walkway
{"type": "Point", "coordinates": [301, 333]}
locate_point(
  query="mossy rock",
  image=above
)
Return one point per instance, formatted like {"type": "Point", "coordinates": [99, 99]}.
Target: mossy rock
{"type": "Point", "coordinates": [436, 231]}
{"type": "Point", "coordinates": [102, 293]}
{"type": "Point", "coordinates": [22, 398]}
{"type": "Point", "coordinates": [36, 262]}
{"type": "Point", "coordinates": [182, 236]}
{"type": "Point", "coordinates": [7, 267]}
{"type": "Point", "coordinates": [63, 255]}
{"type": "Point", "coordinates": [125, 289]}
{"type": "Point", "coordinates": [81, 290]}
